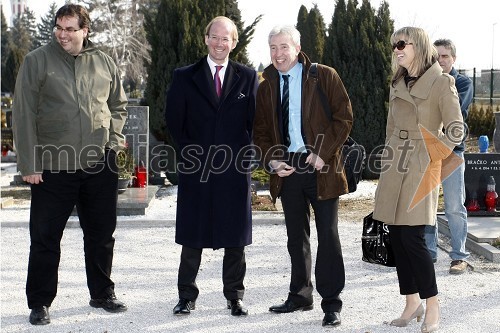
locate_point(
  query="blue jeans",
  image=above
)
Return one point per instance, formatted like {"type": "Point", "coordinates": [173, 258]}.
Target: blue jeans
{"type": "Point", "coordinates": [456, 214]}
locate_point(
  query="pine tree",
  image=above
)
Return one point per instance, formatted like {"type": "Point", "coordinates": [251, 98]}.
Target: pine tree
{"type": "Point", "coordinates": [14, 59]}
{"type": "Point", "coordinates": [245, 34]}
{"type": "Point", "coordinates": [21, 42]}
{"type": "Point", "coordinates": [28, 19]}
{"type": "Point", "coordinates": [23, 31]}
{"type": "Point", "coordinates": [302, 27]}
{"type": "Point", "coordinates": [358, 47]}
{"type": "Point", "coordinates": [46, 26]}
{"type": "Point", "coordinates": [316, 35]}
{"type": "Point", "coordinates": [4, 53]}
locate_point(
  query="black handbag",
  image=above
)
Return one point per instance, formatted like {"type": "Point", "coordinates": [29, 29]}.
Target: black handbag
{"type": "Point", "coordinates": [375, 242]}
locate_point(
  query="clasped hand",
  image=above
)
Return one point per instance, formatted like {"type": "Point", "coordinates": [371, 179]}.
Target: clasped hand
{"type": "Point", "coordinates": [33, 179]}
{"type": "Point", "coordinates": [283, 170]}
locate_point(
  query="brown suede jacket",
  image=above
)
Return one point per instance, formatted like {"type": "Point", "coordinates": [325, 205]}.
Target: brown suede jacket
{"type": "Point", "coordinates": [324, 136]}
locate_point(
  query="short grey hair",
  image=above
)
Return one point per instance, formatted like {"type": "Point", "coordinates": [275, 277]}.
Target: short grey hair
{"type": "Point", "coordinates": [289, 30]}
{"type": "Point", "coordinates": [447, 44]}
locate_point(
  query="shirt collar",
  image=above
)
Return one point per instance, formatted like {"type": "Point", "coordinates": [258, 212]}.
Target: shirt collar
{"type": "Point", "coordinates": [212, 64]}
{"type": "Point", "coordinates": [295, 72]}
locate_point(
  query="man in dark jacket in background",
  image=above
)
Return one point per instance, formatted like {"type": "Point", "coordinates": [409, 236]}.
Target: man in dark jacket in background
{"type": "Point", "coordinates": [300, 142]}
{"type": "Point", "coordinates": [209, 112]}
{"type": "Point", "coordinates": [454, 184]}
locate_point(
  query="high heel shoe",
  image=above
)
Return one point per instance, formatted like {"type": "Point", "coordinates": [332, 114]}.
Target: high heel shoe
{"type": "Point", "coordinates": [429, 328]}
{"type": "Point", "coordinates": [403, 322]}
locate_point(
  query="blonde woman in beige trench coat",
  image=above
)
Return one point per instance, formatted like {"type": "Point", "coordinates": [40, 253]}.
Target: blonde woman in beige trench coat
{"type": "Point", "coordinates": [423, 126]}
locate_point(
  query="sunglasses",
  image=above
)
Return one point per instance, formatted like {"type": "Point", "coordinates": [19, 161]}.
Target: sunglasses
{"type": "Point", "coordinates": [400, 45]}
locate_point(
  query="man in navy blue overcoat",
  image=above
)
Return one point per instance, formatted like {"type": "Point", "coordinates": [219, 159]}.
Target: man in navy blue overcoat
{"type": "Point", "coordinates": [209, 112]}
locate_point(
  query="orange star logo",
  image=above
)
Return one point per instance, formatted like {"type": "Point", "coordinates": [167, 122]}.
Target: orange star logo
{"type": "Point", "coordinates": [431, 178]}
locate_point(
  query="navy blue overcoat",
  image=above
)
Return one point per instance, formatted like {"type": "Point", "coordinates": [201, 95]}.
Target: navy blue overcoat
{"type": "Point", "coordinates": [213, 137]}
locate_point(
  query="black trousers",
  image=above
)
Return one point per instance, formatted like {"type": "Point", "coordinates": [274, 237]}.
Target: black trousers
{"type": "Point", "coordinates": [298, 192]}
{"type": "Point", "coordinates": [413, 261]}
{"type": "Point", "coordinates": [94, 192]}
{"type": "Point", "coordinates": [233, 273]}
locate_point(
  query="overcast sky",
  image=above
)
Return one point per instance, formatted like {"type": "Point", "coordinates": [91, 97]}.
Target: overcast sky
{"type": "Point", "coordinates": [470, 24]}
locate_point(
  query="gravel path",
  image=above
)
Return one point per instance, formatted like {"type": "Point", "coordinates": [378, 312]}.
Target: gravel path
{"type": "Point", "coordinates": [145, 271]}
{"type": "Point", "coordinates": [145, 268]}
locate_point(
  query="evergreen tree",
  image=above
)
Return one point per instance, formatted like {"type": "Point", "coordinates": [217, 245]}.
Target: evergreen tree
{"type": "Point", "coordinates": [302, 27]}
{"type": "Point", "coordinates": [21, 42]}
{"type": "Point", "coordinates": [4, 53]}
{"type": "Point", "coordinates": [245, 34]}
{"type": "Point", "coordinates": [46, 27]}
{"type": "Point", "coordinates": [316, 35]}
{"type": "Point", "coordinates": [165, 26]}
{"type": "Point", "coordinates": [28, 19]}
{"type": "Point", "coordinates": [14, 59]}
{"type": "Point", "coordinates": [358, 47]}
{"type": "Point", "coordinates": [23, 31]}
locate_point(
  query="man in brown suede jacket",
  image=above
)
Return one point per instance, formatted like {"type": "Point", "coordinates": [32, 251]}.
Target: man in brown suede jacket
{"type": "Point", "coordinates": [300, 144]}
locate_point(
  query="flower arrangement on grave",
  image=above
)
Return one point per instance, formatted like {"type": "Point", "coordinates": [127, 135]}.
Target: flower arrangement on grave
{"type": "Point", "coordinates": [125, 163]}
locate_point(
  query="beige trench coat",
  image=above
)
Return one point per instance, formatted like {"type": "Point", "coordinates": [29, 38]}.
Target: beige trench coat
{"type": "Point", "coordinates": [431, 104]}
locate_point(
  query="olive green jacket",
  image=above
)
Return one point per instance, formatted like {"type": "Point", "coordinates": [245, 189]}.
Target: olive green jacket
{"type": "Point", "coordinates": [66, 109]}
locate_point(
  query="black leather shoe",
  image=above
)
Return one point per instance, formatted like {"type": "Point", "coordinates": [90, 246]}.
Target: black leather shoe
{"type": "Point", "coordinates": [331, 319]}
{"type": "Point", "coordinates": [184, 307]}
{"type": "Point", "coordinates": [289, 306]}
{"type": "Point", "coordinates": [110, 304]}
{"type": "Point", "coordinates": [237, 309]}
{"type": "Point", "coordinates": [40, 315]}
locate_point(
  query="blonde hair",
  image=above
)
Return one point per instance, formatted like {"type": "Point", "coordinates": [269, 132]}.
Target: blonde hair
{"type": "Point", "coordinates": [234, 34]}
{"type": "Point", "coordinates": [425, 53]}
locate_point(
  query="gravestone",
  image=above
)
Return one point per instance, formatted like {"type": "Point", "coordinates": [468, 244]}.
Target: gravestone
{"type": "Point", "coordinates": [155, 161]}
{"type": "Point", "coordinates": [136, 131]}
{"type": "Point", "coordinates": [7, 145]}
{"type": "Point", "coordinates": [478, 169]}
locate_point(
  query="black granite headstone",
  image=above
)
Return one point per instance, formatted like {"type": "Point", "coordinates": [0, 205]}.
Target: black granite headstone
{"type": "Point", "coordinates": [478, 169]}
{"type": "Point", "coordinates": [136, 131]}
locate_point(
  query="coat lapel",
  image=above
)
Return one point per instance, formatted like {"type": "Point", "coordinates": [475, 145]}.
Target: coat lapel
{"type": "Point", "coordinates": [231, 78]}
{"type": "Point", "coordinates": [203, 80]}
{"type": "Point", "coordinates": [423, 86]}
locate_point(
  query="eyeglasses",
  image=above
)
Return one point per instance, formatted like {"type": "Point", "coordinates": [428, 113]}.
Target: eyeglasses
{"type": "Point", "coordinates": [400, 45]}
{"type": "Point", "coordinates": [216, 39]}
{"type": "Point", "coordinates": [70, 30]}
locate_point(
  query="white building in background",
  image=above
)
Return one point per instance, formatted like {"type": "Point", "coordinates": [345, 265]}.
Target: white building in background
{"type": "Point", "coordinates": [17, 7]}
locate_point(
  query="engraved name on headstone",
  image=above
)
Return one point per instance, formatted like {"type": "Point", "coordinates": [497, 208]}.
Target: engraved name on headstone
{"type": "Point", "coordinates": [479, 167]}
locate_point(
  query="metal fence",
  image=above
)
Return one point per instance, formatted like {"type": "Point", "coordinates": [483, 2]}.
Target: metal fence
{"type": "Point", "coordinates": [486, 83]}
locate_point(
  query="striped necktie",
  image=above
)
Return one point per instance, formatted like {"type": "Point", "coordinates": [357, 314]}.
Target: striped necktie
{"type": "Point", "coordinates": [285, 101]}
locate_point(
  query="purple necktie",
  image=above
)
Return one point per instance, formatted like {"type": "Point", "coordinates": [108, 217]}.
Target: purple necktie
{"type": "Point", "coordinates": [218, 85]}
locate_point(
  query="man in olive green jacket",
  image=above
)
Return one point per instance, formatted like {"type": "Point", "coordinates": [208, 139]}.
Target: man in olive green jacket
{"type": "Point", "coordinates": [68, 114]}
